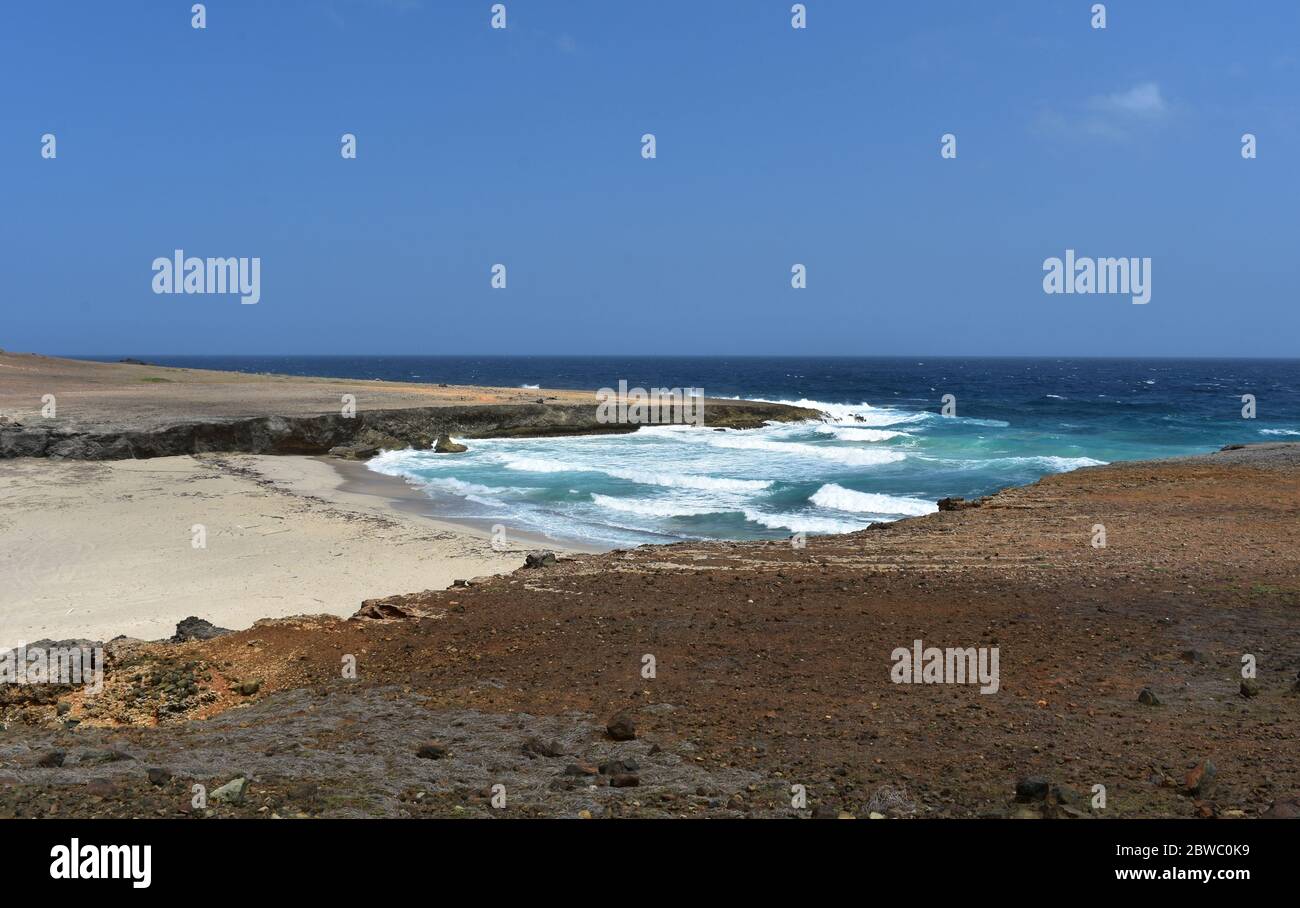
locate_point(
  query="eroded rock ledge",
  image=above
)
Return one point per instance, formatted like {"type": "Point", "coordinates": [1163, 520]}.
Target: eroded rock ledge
{"type": "Point", "coordinates": [413, 427]}
{"type": "Point", "coordinates": [76, 409]}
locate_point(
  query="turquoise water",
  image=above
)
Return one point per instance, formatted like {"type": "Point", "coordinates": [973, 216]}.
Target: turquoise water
{"type": "Point", "coordinates": [880, 452]}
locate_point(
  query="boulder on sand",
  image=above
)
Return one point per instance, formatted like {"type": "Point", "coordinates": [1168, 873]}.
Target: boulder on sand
{"type": "Point", "coordinates": [539, 559]}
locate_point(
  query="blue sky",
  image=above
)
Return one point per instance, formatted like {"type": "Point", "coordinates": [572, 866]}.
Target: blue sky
{"type": "Point", "coordinates": [775, 146]}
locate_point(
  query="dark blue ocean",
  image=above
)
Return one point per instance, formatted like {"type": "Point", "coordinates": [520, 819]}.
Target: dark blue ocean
{"type": "Point", "coordinates": [881, 451]}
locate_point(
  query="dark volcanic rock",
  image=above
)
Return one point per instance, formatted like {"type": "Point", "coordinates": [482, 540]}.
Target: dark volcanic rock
{"type": "Point", "coordinates": [158, 776]}
{"type": "Point", "coordinates": [444, 445]}
{"type": "Point", "coordinates": [624, 780]}
{"type": "Point", "coordinates": [193, 628]}
{"type": "Point", "coordinates": [617, 767]}
{"type": "Point", "coordinates": [1148, 697]}
{"type": "Point", "coordinates": [433, 750]}
{"type": "Point", "coordinates": [536, 747]}
{"type": "Point", "coordinates": [621, 728]}
{"type": "Point", "coordinates": [1032, 788]}
{"type": "Point", "coordinates": [1249, 688]}
{"type": "Point", "coordinates": [539, 559]}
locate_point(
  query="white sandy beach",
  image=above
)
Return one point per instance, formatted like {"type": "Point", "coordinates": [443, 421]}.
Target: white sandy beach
{"type": "Point", "coordinates": [97, 549]}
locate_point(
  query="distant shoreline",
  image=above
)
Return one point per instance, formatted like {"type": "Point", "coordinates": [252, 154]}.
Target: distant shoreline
{"type": "Point", "coordinates": [116, 411]}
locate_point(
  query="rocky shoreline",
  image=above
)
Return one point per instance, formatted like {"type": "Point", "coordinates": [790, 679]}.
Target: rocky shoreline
{"type": "Point", "coordinates": [115, 411]}
{"type": "Point", "coordinates": [526, 694]}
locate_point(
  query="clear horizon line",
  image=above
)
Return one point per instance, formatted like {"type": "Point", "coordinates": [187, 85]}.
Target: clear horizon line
{"type": "Point", "coordinates": [1134, 356]}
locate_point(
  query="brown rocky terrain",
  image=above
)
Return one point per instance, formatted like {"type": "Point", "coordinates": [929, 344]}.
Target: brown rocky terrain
{"type": "Point", "coordinates": [771, 670]}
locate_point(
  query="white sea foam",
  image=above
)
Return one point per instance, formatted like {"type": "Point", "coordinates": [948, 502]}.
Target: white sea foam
{"type": "Point", "coordinates": [802, 523]}
{"type": "Point", "coordinates": [853, 456]}
{"type": "Point", "coordinates": [645, 477]}
{"type": "Point", "coordinates": [838, 498]}
{"type": "Point", "coordinates": [653, 508]}
{"type": "Point", "coordinates": [460, 487]}
{"type": "Point", "coordinates": [990, 423]}
{"type": "Point", "coordinates": [538, 464]}
{"type": "Point", "coordinates": [850, 433]}
{"type": "Point", "coordinates": [1047, 462]}
{"type": "Point", "coordinates": [863, 414]}
{"type": "Point", "coordinates": [1278, 432]}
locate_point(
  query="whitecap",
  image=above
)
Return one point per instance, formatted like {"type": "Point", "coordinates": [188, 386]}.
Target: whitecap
{"type": "Point", "coordinates": [645, 477]}
{"type": "Point", "coordinates": [652, 507]}
{"type": "Point", "coordinates": [801, 523]}
{"type": "Point", "coordinates": [838, 498]}
{"type": "Point", "coordinates": [849, 433]}
{"type": "Point", "coordinates": [851, 456]}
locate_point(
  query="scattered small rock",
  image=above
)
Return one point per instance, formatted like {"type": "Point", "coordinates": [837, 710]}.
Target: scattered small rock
{"type": "Point", "coordinates": [1200, 778]}
{"type": "Point", "coordinates": [615, 767]}
{"type": "Point", "coordinates": [1062, 794]}
{"type": "Point", "coordinates": [536, 747]}
{"type": "Point", "coordinates": [624, 780]}
{"type": "Point", "coordinates": [621, 728]}
{"type": "Point", "coordinates": [232, 792]}
{"type": "Point", "coordinates": [1032, 788]}
{"type": "Point", "coordinates": [431, 751]}
{"type": "Point", "coordinates": [101, 788]}
{"type": "Point", "coordinates": [1287, 808]}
